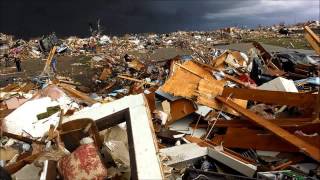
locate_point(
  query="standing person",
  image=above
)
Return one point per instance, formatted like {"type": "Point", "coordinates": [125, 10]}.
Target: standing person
{"type": "Point", "coordinates": [53, 64]}
{"type": "Point", "coordinates": [18, 63]}
{"type": "Point", "coordinates": [6, 60]}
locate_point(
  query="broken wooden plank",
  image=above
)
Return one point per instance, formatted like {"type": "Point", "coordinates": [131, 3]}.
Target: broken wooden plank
{"type": "Point", "coordinates": [266, 56]}
{"type": "Point", "coordinates": [262, 140]}
{"type": "Point", "coordinates": [231, 78]}
{"type": "Point", "coordinates": [272, 97]}
{"type": "Point", "coordinates": [289, 125]}
{"type": "Point", "coordinates": [218, 62]}
{"type": "Point", "coordinates": [305, 147]}
{"type": "Point", "coordinates": [178, 109]}
{"type": "Point", "coordinates": [8, 153]}
{"type": "Point", "coordinates": [293, 160]}
{"type": "Point", "coordinates": [14, 167]}
{"type": "Point", "coordinates": [293, 124]}
{"type": "Point", "coordinates": [27, 87]}
{"type": "Point", "coordinates": [136, 80]}
{"type": "Point", "coordinates": [313, 39]}
{"type": "Point", "coordinates": [78, 94]}
{"type": "Point", "coordinates": [191, 71]}
{"type": "Point", "coordinates": [48, 62]}
{"type": "Point", "coordinates": [191, 80]}
{"type": "Point", "coordinates": [182, 82]}
{"type": "Point", "coordinates": [209, 89]}
{"type": "Point", "coordinates": [105, 74]}
{"type": "Point", "coordinates": [151, 98]}
{"type": "Point", "coordinates": [20, 138]}
{"type": "Point", "coordinates": [10, 87]}
{"type": "Point", "coordinates": [69, 82]}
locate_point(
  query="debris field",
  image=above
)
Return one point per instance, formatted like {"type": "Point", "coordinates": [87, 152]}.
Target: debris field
{"type": "Point", "coordinates": [183, 105]}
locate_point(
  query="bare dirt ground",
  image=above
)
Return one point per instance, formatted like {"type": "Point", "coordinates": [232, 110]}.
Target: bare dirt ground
{"type": "Point", "coordinates": [78, 68]}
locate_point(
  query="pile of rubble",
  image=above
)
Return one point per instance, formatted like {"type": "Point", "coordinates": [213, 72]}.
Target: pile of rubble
{"type": "Point", "coordinates": [210, 114]}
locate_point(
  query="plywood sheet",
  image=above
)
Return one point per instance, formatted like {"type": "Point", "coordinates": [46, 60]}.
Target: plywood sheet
{"type": "Point", "coordinates": [192, 81]}
{"type": "Point", "coordinates": [209, 89]}
{"type": "Point", "coordinates": [183, 82]}
{"type": "Point", "coordinates": [218, 62]}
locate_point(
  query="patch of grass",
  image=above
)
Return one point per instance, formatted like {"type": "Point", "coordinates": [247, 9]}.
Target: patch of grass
{"type": "Point", "coordinates": [297, 42]}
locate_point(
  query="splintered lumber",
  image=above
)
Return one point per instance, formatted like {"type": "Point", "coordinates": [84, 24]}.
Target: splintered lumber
{"type": "Point", "coordinates": [48, 62]}
{"type": "Point", "coordinates": [192, 81]}
{"type": "Point", "coordinates": [10, 87]}
{"type": "Point", "coordinates": [313, 39]}
{"type": "Point", "coordinates": [105, 74]}
{"type": "Point", "coordinates": [266, 56]}
{"type": "Point", "coordinates": [218, 62]}
{"type": "Point", "coordinates": [178, 109]}
{"type": "Point", "coordinates": [272, 97]}
{"type": "Point", "coordinates": [14, 167]}
{"type": "Point", "coordinates": [20, 138]}
{"type": "Point", "coordinates": [69, 82]}
{"type": "Point", "coordinates": [77, 94]}
{"type": "Point", "coordinates": [303, 146]}
{"type": "Point", "coordinates": [232, 58]}
{"type": "Point", "coordinates": [262, 140]}
{"type": "Point", "coordinates": [226, 76]}
{"type": "Point", "coordinates": [184, 81]}
{"type": "Point", "coordinates": [195, 73]}
{"type": "Point", "coordinates": [291, 124]}
{"type": "Point", "coordinates": [231, 78]}
{"type": "Point", "coordinates": [209, 89]}
{"type": "Point", "coordinates": [304, 125]}
{"type": "Point", "coordinates": [136, 80]}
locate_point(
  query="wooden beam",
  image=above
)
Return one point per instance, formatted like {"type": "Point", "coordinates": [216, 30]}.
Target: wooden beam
{"type": "Point", "coordinates": [261, 140]}
{"type": "Point", "coordinates": [292, 124]}
{"type": "Point", "coordinates": [178, 109]}
{"type": "Point", "coordinates": [48, 62]}
{"type": "Point", "coordinates": [136, 80]}
{"type": "Point", "coordinates": [264, 53]}
{"type": "Point", "coordinates": [305, 147]}
{"type": "Point", "coordinates": [313, 39]}
{"type": "Point", "coordinates": [243, 84]}
{"type": "Point", "coordinates": [272, 97]}
{"type": "Point", "coordinates": [306, 127]}
{"type": "Point", "coordinates": [78, 94]}
{"type": "Point", "coordinates": [20, 138]}
{"type": "Point", "coordinates": [189, 70]}
{"type": "Point", "coordinates": [14, 167]}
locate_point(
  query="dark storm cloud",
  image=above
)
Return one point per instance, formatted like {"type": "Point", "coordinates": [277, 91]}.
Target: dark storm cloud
{"type": "Point", "coordinates": [25, 18]}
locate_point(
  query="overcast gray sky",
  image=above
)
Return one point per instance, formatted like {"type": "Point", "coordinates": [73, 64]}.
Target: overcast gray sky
{"type": "Point", "coordinates": [25, 18]}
